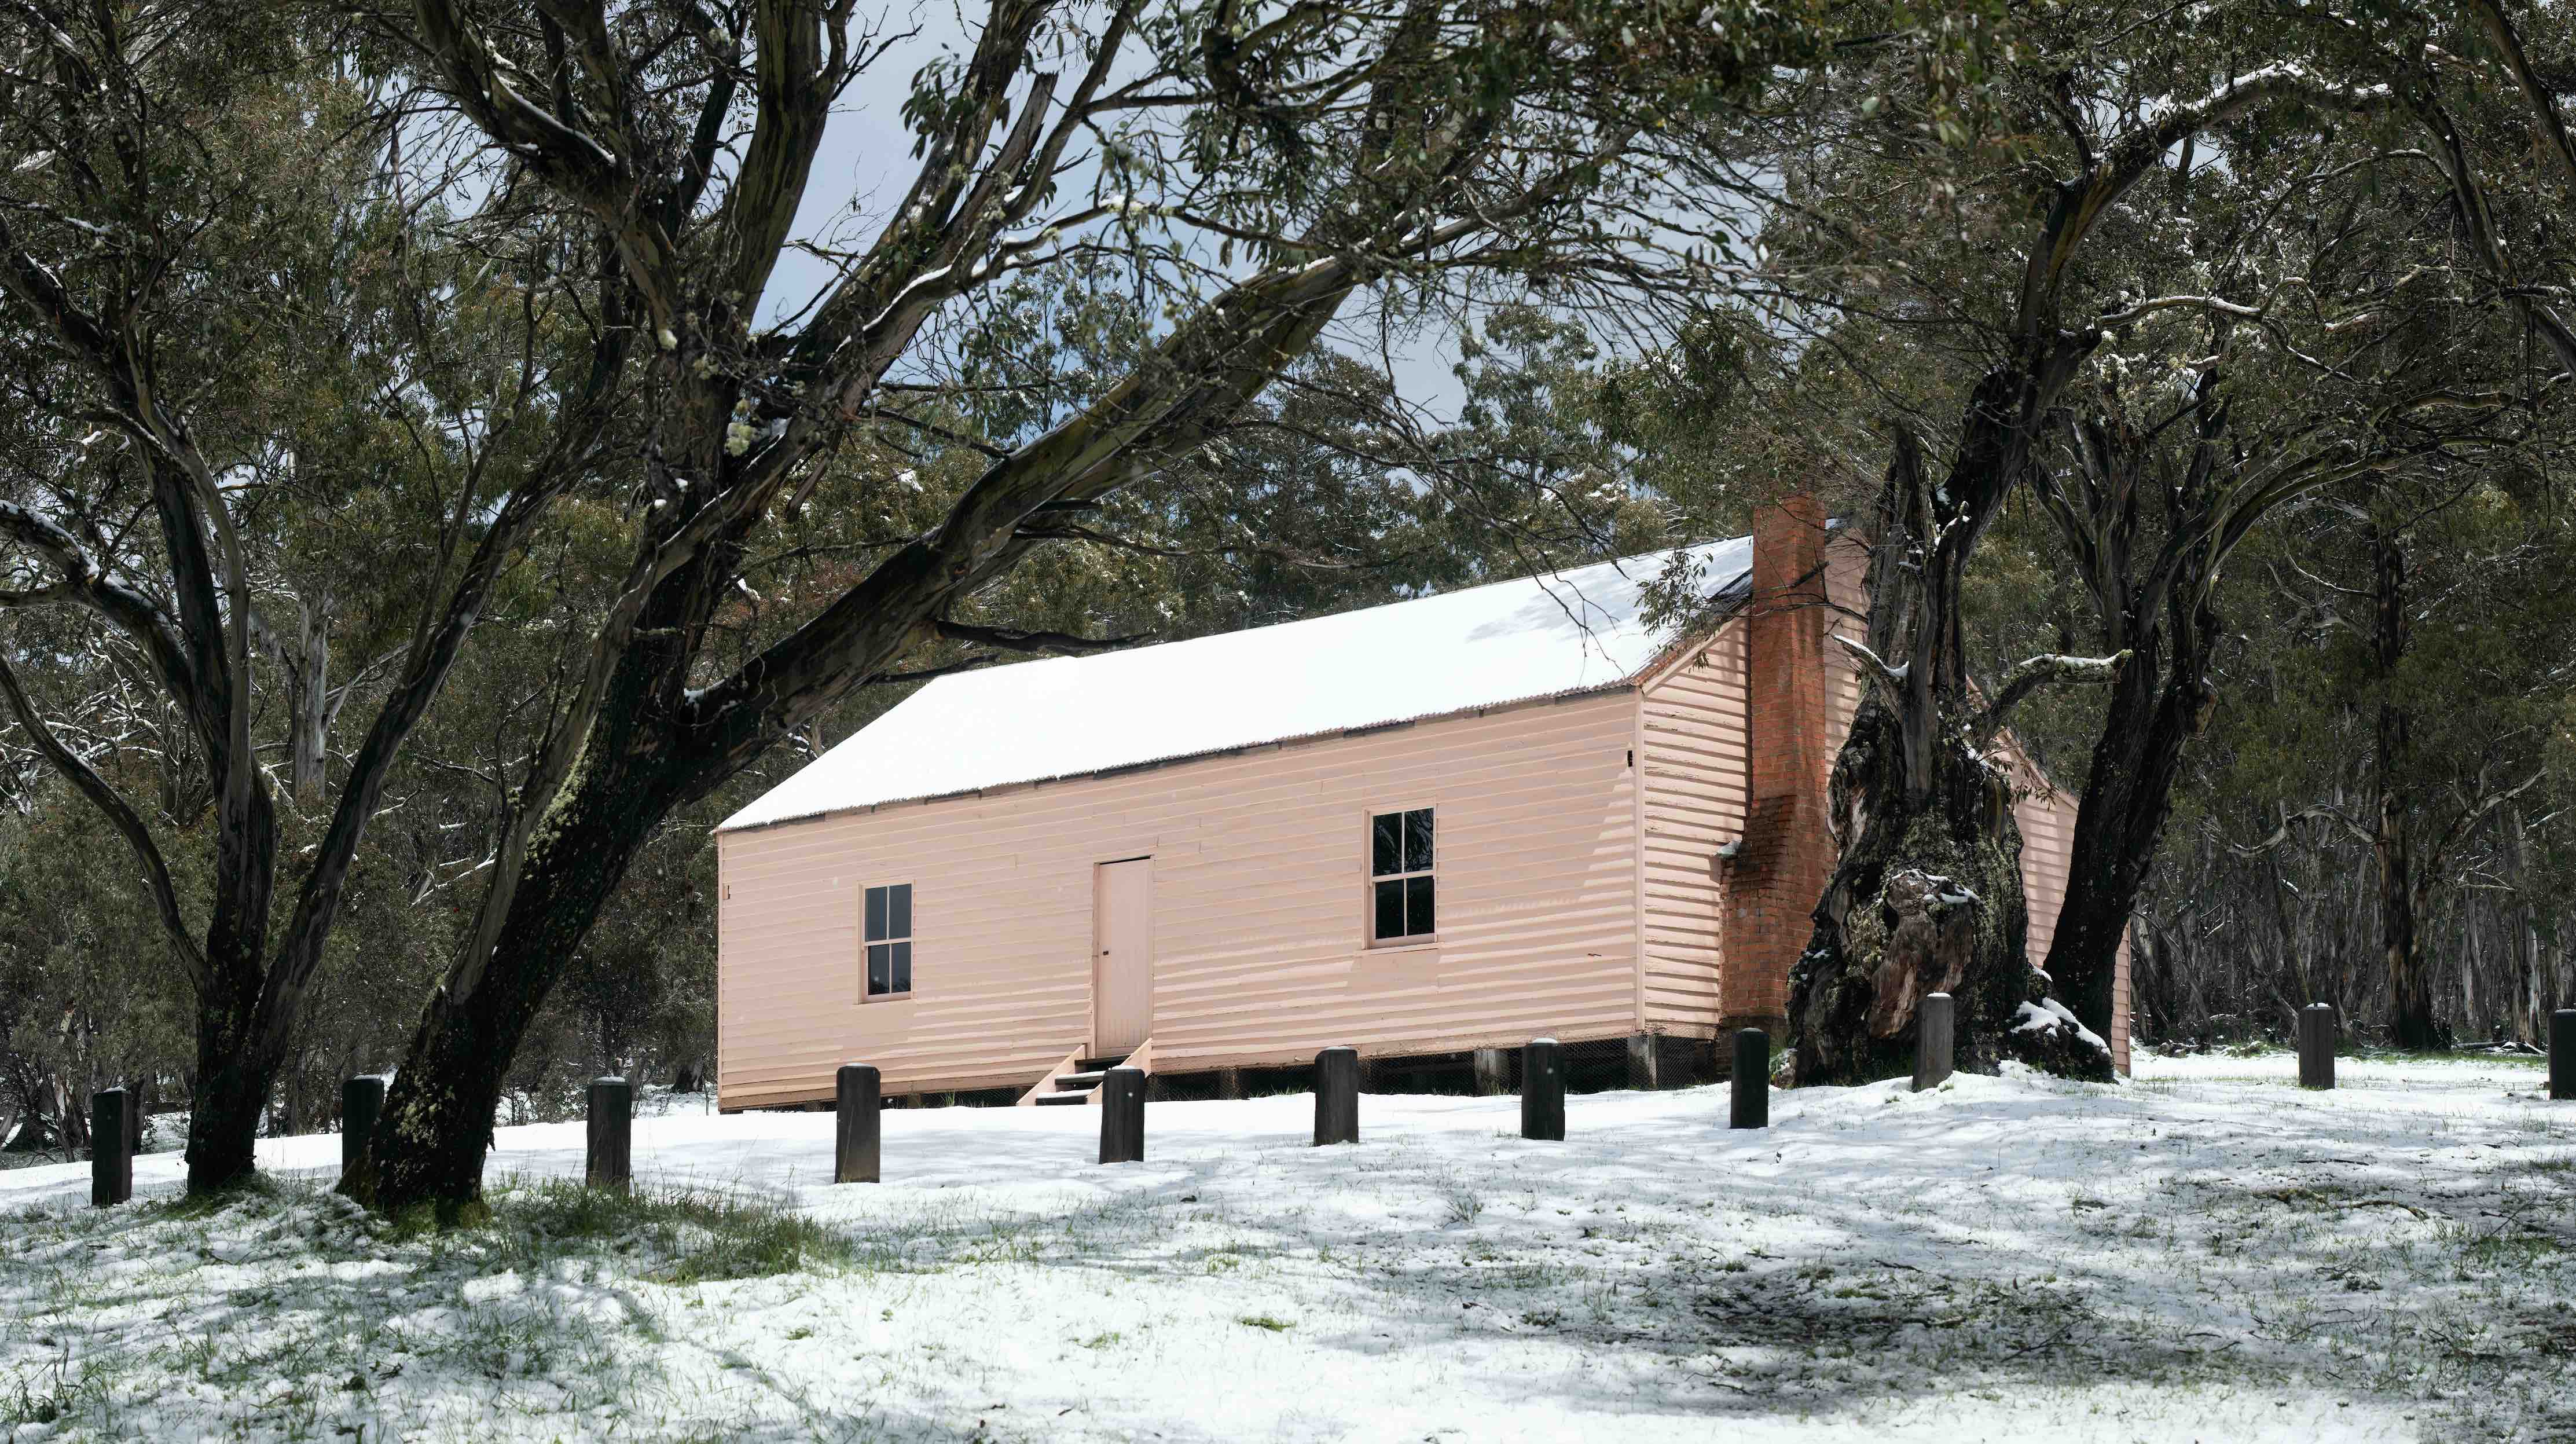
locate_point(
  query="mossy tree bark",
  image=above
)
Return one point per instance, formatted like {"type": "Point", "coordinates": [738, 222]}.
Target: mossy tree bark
{"type": "Point", "coordinates": [1927, 895]}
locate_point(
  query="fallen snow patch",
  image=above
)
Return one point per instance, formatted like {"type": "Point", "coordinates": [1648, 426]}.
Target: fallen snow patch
{"type": "Point", "coordinates": [2209, 1254]}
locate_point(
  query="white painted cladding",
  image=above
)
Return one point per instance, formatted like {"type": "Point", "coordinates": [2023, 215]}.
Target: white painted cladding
{"type": "Point", "coordinates": [1259, 872]}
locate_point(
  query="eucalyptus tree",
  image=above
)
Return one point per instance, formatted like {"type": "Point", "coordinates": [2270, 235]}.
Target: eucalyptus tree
{"type": "Point", "coordinates": [224, 349]}
{"type": "Point", "coordinates": [2437, 316]}
{"type": "Point", "coordinates": [1253, 170]}
{"type": "Point", "coordinates": [2284, 340]}
{"type": "Point", "coordinates": [1996, 256]}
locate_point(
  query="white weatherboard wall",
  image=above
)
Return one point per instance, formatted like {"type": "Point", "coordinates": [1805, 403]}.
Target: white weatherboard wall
{"type": "Point", "coordinates": [1696, 766]}
{"type": "Point", "coordinates": [1578, 890]}
{"type": "Point", "coordinates": [1259, 909]}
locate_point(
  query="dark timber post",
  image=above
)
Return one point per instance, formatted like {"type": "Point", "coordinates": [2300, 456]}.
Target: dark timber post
{"type": "Point", "coordinates": [1749, 1089]}
{"type": "Point", "coordinates": [1493, 1072]}
{"type": "Point", "coordinates": [111, 1148]}
{"type": "Point", "coordinates": [2562, 1053]}
{"type": "Point", "coordinates": [362, 1102]}
{"type": "Point", "coordinates": [612, 1134]}
{"type": "Point", "coordinates": [858, 1123]}
{"type": "Point", "coordinates": [1935, 1029]}
{"type": "Point", "coordinates": [1122, 1116]}
{"type": "Point", "coordinates": [1337, 1096]}
{"type": "Point", "coordinates": [1543, 1090]}
{"type": "Point", "coordinates": [2317, 1045]}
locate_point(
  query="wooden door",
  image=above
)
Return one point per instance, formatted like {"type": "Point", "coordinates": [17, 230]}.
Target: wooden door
{"type": "Point", "coordinates": [1122, 979]}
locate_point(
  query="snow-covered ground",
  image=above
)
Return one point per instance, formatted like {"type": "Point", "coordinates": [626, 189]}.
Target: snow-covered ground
{"type": "Point", "coordinates": [2205, 1254]}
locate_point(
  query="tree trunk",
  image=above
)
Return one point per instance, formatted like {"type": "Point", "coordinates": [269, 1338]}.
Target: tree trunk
{"type": "Point", "coordinates": [430, 1141]}
{"type": "Point", "coordinates": [232, 1083]}
{"type": "Point", "coordinates": [2411, 1020]}
{"type": "Point", "coordinates": [2526, 990]}
{"type": "Point", "coordinates": [1926, 900]}
{"type": "Point", "coordinates": [1927, 894]}
{"type": "Point", "coordinates": [2160, 701]}
{"type": "Point", "coordinates": [309, 701]}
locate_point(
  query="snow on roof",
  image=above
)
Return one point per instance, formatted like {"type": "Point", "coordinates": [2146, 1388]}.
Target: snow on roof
{"type": "Point", "coordinates": [1563, 632]}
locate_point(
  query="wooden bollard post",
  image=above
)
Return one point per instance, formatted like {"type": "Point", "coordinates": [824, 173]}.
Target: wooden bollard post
{"type": "Point", "coordinates": [612, 1134]}
{"type": "Point", "coordinates": [1749, 1088]}
{"type": "Point", "coordinates": [858, 1123]}
{"type": "Point", "coordinates": [2562, 1053]}
{"type": "Point", "coordinates": [1493, 1068]}
{"type": "Point", "coordinates": [1122, 1115]}
{"type": "Point", "coordinates": [2317, 1045]}
{"type": "Point", "coordinates": [1337, 1096]}
{"type": "Point", "coordinates": [1935, 1031]}
{"type": "Point", "coordinates": [1543, 1090]}
{"type": "Point", "coordinates": [362, 1102]}
{"type": "Point", "coordinates": [111, 1148]}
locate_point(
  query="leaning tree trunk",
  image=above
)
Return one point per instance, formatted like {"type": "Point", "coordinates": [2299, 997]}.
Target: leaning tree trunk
{"type": "Point", "coordinates": [1927, 894]}
{"type": "Point", "coordinates": [444, 1100]}
{"type": "Point", "coordinates": [428, 1147]}
{"type": "Point", "coordinates": [2158, 705]}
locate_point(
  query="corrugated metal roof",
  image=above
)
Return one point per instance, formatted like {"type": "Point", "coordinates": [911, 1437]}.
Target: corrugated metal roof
{"type": "Point", "coordinates": [1564, 632]}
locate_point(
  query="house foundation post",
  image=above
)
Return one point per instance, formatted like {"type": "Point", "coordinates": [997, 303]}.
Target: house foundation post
{"type": "Point", "coordinates": [1493, 1072]}
{"type": "Point", "coordinates": [1645, 1062]}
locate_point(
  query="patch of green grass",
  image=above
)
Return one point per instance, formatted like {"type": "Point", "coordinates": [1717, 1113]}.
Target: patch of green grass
{"type": "Point", "coordinates": [699, 1236]}
{"type": "Point", "coordinates": [1265, 1321]}
{"type": "Point", "coordinates": [49, 1393]}
{"type": "Point", "coordinates": [258, 1190]}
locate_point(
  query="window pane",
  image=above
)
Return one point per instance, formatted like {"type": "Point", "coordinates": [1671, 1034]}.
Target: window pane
{"type": "Point", "coordinates": [880, 962]}
{"type": "Point", "coordinates": [902, 968]}
{"type": "Point", "coordinates": [1384, 854]}
{"type": "Point", "coordinates": [876, 913]}
{"type": "Point", "coordinates": [1417, 840]}
{"type": "Point", "coordinates": [899, 912]}
{"type": "Point", "coordinates": [1417, 907]}
{"type": "Point", "coordinates": [1390, 910]}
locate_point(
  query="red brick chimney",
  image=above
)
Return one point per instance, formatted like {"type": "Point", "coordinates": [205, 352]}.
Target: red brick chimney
{"type": "Point", "coordinates": [1786, 856]}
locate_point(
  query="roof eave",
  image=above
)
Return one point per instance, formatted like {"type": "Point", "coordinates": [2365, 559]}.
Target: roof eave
{"type": "Point", "coordinates": [1628, 683]}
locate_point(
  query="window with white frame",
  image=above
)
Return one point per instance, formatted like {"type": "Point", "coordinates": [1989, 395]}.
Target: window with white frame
{"type": "Point", "coordinates": [889, 941]}
{"type": "Point", "coordinates": [1400, 876]}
